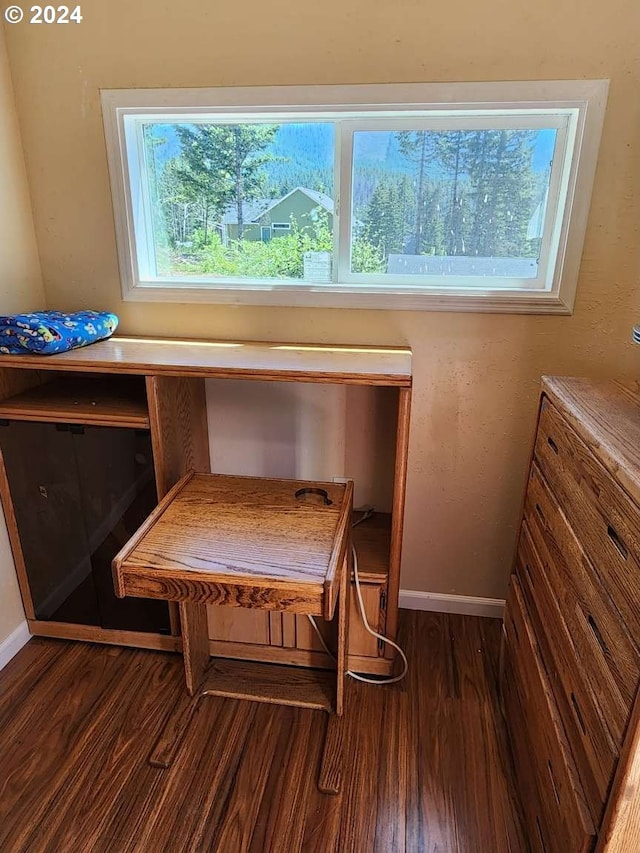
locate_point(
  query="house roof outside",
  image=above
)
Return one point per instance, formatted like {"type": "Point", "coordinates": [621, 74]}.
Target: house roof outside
{"type": "Point", "coordinates": [461, 265]}
{"type": "Point", "coordinates": [253, 210]}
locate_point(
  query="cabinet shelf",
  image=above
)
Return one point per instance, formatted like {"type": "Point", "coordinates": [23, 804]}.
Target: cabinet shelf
{"type": "Point", "coordinates": [105, 401]}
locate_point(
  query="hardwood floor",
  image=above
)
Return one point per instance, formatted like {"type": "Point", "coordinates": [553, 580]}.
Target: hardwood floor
{"type": "Point", "coordinates": [425, 766]}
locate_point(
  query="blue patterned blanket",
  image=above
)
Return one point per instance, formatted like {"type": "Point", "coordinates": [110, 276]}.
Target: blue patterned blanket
{"type": "Point", "coordinates": [48, 332]}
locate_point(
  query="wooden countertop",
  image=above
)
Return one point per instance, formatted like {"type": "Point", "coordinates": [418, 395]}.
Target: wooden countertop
{"type": "Point", "coordinates": [606, 415]}
{"type": "Point", "coordinates": [231, 359]}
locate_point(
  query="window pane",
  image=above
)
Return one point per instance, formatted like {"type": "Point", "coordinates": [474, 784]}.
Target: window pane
{"type": "Point", "coordinates": [450, 203]}
{"type": "Point", "coordinates": [249, 200]}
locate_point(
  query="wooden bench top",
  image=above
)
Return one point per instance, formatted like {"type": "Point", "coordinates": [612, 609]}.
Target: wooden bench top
{"type": "Point", "coordinates": [240, 541]}
{"type": "Point", "coordinates": [359, 365]}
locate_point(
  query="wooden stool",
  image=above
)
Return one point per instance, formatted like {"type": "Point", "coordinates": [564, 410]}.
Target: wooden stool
{"type": "Point", "coordinates": [249, 542]}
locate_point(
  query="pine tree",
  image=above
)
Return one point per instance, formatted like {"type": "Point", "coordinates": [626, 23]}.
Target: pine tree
{"type": "Point", "coordinates": [223, 163]}
{"type": "Point", "coordinates": [503, 191]}
{"type": "Point", "coordinates": [416, 147]}
{"type": "Point", "coordinates": [388, 215]}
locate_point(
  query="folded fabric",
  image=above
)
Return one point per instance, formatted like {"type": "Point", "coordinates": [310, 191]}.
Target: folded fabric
{"type": "Point", "coordinates": [48, 332]}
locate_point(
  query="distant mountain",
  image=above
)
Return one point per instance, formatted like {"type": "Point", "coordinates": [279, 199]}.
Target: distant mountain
{"type": "Point", "coordinates": [303, 156]}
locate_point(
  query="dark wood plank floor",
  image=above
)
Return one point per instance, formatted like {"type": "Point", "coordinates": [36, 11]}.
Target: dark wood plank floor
{"type": "Point", "coordinates": [425, 765]}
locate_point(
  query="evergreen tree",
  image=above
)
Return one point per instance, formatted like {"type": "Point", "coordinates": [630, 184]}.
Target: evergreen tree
{"type": "Point", "coordinates": [181, 214]}
{"type": "Point", "coordinates": [503, 192]}
{"type": "Point", "coordinates": [223, 163]}
{"type": "Point", "coordinates": [416, 147]}
{"type": "Point", "coordinates": [433, 242]}
{"type": "Point", "coordinates": [450, 153]}
{"type": "Point", "coordinates": [389, 215]}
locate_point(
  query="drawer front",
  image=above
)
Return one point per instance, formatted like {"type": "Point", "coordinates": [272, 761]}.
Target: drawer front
{"type": "Point", "coordinates": [603, 517]}
{"type": "Point", "coordinates": [561, 819]}
{"type": "Point", "coordinates": [606, 651]}
{"type": "Point", "coordinates": [594, 752]}
{"type": "Point", "coordinates": [539, 834]}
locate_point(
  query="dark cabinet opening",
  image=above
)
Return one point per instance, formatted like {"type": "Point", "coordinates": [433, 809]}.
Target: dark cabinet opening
{"type": "Point", "coordinates": [79, 493]}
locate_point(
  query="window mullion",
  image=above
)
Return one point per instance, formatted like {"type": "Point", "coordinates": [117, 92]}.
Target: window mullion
{"type": "Point", "coordinates": [146, 217]}
{"type": "Point", "coordinates": [344, 154]}
{"type": "Point", "coordinates": [555, 226]}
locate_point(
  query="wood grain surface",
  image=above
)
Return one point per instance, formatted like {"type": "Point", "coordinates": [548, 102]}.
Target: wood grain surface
{"type": "Point", "coordinates": [270, 683]}
{"type": "Point", "coordinates": [109, 636]}
{"type": "Point", "coordinates": [603, 516]}
{"type": "Point", "coordinates": [14, 540]}
{"type": "Point", "coordinates": [424, 770]}
{"type": "Point", "coordinates": [578, 566]}
{"type": "Point", "coordinates": [13, 381]}
{"type": "Point", "coordinates": [562, 810]}
{"type": "Point", "coordinates": [106, 401]}
{"type": "Point", "coordinates": [621, 823]}
{"type": "Point", "coordinates": [179, 431]}
{"type": "Point", "coordinates": [606, 415]}
{"type": "Point", "coordinates": [586, 730]}
{"type": "Point", "coordinates": [397, 513]}
{"type": "Point", "coordinates": [195, 644]}
{"type": "Point", "coordinates": [237, 541]}
{"type": "Point", "coordinates": [372, 540]}
{"type": "Point", "coordinates": [606, 659]}
{"type": "Point", "coordinates": [232, 359]}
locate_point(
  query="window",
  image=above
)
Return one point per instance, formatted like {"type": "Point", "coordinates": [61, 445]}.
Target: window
{"type": "Point", "coordinates": [458, 196]}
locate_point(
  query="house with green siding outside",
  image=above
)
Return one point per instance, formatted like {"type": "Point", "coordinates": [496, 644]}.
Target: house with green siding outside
{"type": "Point", "coordinates": [264, 219]}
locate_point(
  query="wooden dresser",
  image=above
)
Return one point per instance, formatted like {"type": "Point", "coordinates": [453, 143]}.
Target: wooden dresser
{"type": "Point", "coordinates": [571, 644]}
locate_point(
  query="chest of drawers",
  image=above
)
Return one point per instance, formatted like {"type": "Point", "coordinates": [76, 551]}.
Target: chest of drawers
{"type": "Point", "coordinates": [571, 641]}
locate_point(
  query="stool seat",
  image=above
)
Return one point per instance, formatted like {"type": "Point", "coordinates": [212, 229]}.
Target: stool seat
{"type": "Point", "coordinates": [243, 542]}
{"type": "Point", "coordinates": [248, 542]}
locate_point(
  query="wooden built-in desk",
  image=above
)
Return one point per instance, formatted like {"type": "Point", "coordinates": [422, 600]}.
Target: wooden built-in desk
{"type": "Point", "coordinates": [158, 386]}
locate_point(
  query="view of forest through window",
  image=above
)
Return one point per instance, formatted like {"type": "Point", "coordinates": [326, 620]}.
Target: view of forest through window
{"type": "Point", "coordinates": [256, 200]}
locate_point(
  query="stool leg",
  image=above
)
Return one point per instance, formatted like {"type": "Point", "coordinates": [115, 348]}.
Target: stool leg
{"type": "Point", "coordinates": [343, 631]}
{"type": "Point", "coordinates": [330, 778]}
{"type": "Point", "coordinates": [195, 652]}
{"type": "Point", "coordinates": [195, 643]}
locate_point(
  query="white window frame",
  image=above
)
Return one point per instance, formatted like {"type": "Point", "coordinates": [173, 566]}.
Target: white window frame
{"type": "Point", "coordinates": [579, 103]}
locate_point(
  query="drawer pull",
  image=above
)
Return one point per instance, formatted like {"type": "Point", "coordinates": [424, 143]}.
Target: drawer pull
{"type": "Point", "coordinates": [552, 445]}
{"type": "Point", "coordinates": [527, 569]}
{"type": "Point", "coordinates": [576, 708]}
{"type": "Point", "coordinates": [540, 836]}
{"type": "Point", "coordinates": [596, 633]}
{"type": "Point", "coordinates": [515, 633]}
{"type": "Point", "coordinates": [617, 541]}
{"type": "Point", "coordinates": [553, 782]}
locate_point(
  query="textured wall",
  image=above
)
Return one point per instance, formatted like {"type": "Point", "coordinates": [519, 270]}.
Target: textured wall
{"type": "Point", "coordinates": [476, 377]}
{"type": "Point", "coordinates": [20, 287]}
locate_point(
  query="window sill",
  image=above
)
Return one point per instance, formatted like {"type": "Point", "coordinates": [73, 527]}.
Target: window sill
{"type": "Point", "coordinates": [287, 295]}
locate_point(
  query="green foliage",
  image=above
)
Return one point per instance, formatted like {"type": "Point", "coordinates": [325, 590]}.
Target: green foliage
{"type": "Point", "coordinates": [281, 257]}
{"type": "Point", "coordinates": [217, 165]}
{"type": "Point", "coordinates": [389, 216]}
{"type": "Point", "coordinates": [367, 258]}
{"type": "Point", "coordinates": [475, 191]}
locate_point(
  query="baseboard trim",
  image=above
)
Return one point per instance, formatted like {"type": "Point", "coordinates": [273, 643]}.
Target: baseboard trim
{"type": "Point", "coordinates": [469, 605]}
{"type": "Point", "coordinates": [13, 643]}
